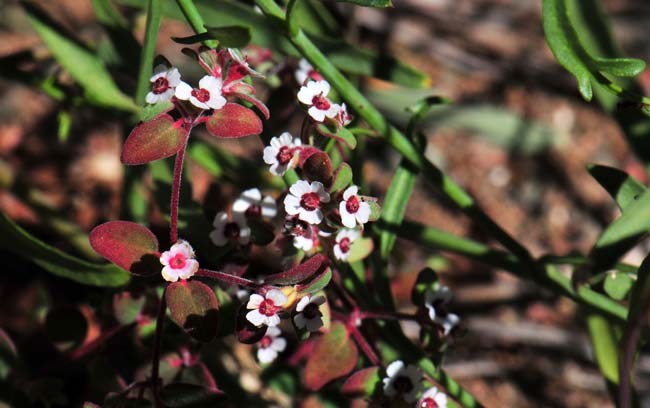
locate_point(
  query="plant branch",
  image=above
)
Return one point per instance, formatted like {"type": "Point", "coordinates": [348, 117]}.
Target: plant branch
{"type": "Point", "coordinates": [176, 190]}
{"type": "Point", "coordinates": [228, 278]}
{"type": "Point", "coordinates": [193, 17]}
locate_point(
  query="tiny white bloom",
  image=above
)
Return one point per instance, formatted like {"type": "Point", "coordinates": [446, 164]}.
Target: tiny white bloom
{"type": "Point", "coordinates": [305, 199]}
{"type": "Point", "coordinates": [270, 345]}
{"type": "Point", "coordinates": [344, 240]}
{"type": "Point", "coordinates": [344, 116]}
{"type": "Point", "coordinates": [353, 210]}
{"type": "Point", "coordinates": [404, 382]}
{"type": "Point", "coordinates": [314, 94]}
{"type": "Point", "coordinates": [305, 235]}
{"type": "Point", "coordinates": [309, 314]}
{"type": "Point", "coordinates": [436, 304]}
{"type": "Point", "coordinates": [250, 203]}
{"type": "Point", "coordinates": [265, 309]}
{"type": "Point", "coordinates": [163, 84]}
{"type": "Point", "coordinates": [432, 398]}
{"type": "Point", "coordinates": [178, 262]}
{"type": "Point", "coordinates": [206, 96]}
{"type": "Point", "coordinates": [282, 153]}
{"type": "Point", "coordinates": [225, 231]}
{"type": "Point", "coordinates": [306, 72]}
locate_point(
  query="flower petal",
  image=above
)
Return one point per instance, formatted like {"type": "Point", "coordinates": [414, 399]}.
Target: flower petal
{"type": "Point", "coordinates": [183, 91]}
{"type": "Point", "coordinates": [350, 191]}
{"type": "Point", "coordinates": [302, 303]}
{"type": "Point", "coordinates": [278, 298]}
{"type": "Point", "coordinates": [256, 318]}
{"type": "Point", "coordinates": [254, 301]}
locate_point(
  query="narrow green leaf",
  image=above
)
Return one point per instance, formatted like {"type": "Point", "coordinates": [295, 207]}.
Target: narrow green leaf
{"type": "Point", "coordinates": [316, 284]}
{"type": "Point", "coordinates": [604, 344]}
{"type": "Point", "coordinates": [623, 188]}
{"type": "Point", "coordinates": [148, 50]}
{"type": "Point", "coordinates": [235, 36]}
{"type": "Point", "coordinates": [151, 111]}
{"type": "Point", "coordinates": [635, 221]}
{"type": "Point", "coordinates": [397, 197]}
{"type": "Point", "coordinates": [369, 3]}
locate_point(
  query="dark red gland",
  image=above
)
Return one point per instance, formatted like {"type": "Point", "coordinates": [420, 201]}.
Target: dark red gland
{"type": "Point", "coordinates": [352, 205]}
{"type": "Point", "coordinates": [160, 85]}
{"type": "Point", "coordinates": [403, 384]}
{"type": "Point", "coordinates": [266, 342]}
{"type": "Point", "coordinates": [177, 261]}
{"type": "Point", "coordinates": [320, 102]}
{"type": "Point", "coordinates": [344, 244]}
{"type": "Point", "coordinates": [268, 308]}
{"type": "Point", "coordinates": [231, 230]}
{"type": "Point", "coordinates": [202, 94]}
{"type": "Point", "coordinates": [311, 311]}
{"type": "Point", "coordinates": [429, 403]}
{"type": "Point", "coordinates": [254, 211]}
{"type": "Point", "coordinates": [284, 155]}
{"type": "Point", "coordinates": [310, 201]}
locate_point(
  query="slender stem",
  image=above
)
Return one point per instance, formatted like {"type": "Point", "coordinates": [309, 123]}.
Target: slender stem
{"type": "Point", "coordinates": [387, 316]}
{"type": "Point", "coordinates": [365, 346]}
{"type": "Point", "coordinates": [155, 364]}
{"type": "Point", "coordinates": [176, 190]}
{"type": "Point", "coordinates": [193, 17]}
{"type": "Point", "coordinates": [148, 50]}
{"type": "Point", "coordinates": [228, 278]}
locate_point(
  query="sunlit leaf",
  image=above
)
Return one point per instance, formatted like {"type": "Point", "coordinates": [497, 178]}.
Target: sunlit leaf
{"type": "Point", "coordinates": [128, 245]}
{"type": "Point", "coordinates": [233, 121]}
{"type": "Point", "coordinates": [623, 188]}
{"type": "Point", "coordinates": [342, 177]}
{"type": "Point", "coordinates": [299, 273]}
{"type": "Point", "coordinates": [617, 285]}
{"type": "Point", "coordinates": [334, 356]}
{"type": "Point", "coordinates": [153, 140]}
{"type": "Point", "coordinates": [360, 249]}
{"type": "Point", "coordinates": [363, 383]}
{"type": "Point", "coordinates": [193, 306]}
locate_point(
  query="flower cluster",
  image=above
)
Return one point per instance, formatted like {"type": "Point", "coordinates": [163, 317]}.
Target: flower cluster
{"type": "Point", "coordinates": [404, 382]}
{"type": "Point", "coordinates": [435, 302]}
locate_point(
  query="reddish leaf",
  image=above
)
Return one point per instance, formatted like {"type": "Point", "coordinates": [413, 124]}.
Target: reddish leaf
{"type": "Point", "coordinates": [247, 333]}
{"type": "Point", "coordinates": [299, 273]}
{"type": "Point", "coordinates": [155, 139]}
{"type": "Point", "coordinates": [128, 245]}
{"type": "Point", "coordinates": [233, 121]}
{"type": "Point", "coordinates": [193, 306]}
{"type": "Point", "coordinates": [258, 104]}
{"type": "Point", "coordinates": [334, 356]}
{"type": "Point", "coordinates": [318, 167]}
{"type": "Point", "coordinates": [362, 383]}
{"type": "Point", "coordinates": [306, 152]}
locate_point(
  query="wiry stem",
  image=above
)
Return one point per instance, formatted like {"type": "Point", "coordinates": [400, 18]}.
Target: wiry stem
{"type": "Point", "coordinates": [176, 190]}
{"type": "Point", "coordinates": [365, 346]}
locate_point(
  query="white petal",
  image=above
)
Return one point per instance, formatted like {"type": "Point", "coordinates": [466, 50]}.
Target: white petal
{"type": "Point", "coordinates": [272, 320]}
{"type": "Point", "coordinates": [218, 238]}
{"type": "Point", "coordinates": [432, 311]}
{"type": "Point", "coordinates": [256, 318]}
{"type": "Point", "coordinates": [183, 247]}
{"type": "Point", "coordinates": [394, 367]}
{"type": "Point", "coordinates": [266, 355]}
{"type": "Point", "coordinates": [285, 139]}
{"type": "Point", "coordinates": [183, 91]}
{"type": "Point", "coordinates": [270, 155]}
{"type": "Point", "coordinates": [333, 110]}
{"type": "Point", "coordinates": [318, 300]}
{"type": "Point", "coordinates": [278, 344]}
{"type": "Point", "coordinates": [350, 191]}
{"type": "Point", "coordinates": [292, 205]}
{"type": "Point", "coordinates": [300, 320]}
{"type": "Point", "coordinates": [302, 303]}
{"type": "Point", "coordinates": [321, 87]}
{"type": "Point", "coordinates": [306, 244]}
{"type": "Point", "coordinates": [306, 95]}
{"type": "Point", "coordinates": [164, 258]}
{"type": "Point", "coordinates": [253, 195]}
{"type": "Point", "coordinates": [273, 332]}
{"type": "Point", "coordinates": [191, 266]}
{"type": "Point", "coordinates": [441, 400]}
{"type": "Point", "coordinates": [346, 218]}
{"type": "Point", "coordinates": [312, 217]}
{"type": "Point", "coordinates": [316, 114]}
{"type": "Point", "coordinates": [211, 84]}
{"type": "Point", "coordinates": [244, 235]}
{"type": "Point", "coordinates": [269, 208]}
{"type": "Point", "coordinates": [159, 71]}
{"type": "Point", "coordinates": [173, 77]}
{"type": "Point", "coordinates": [299, 188]}
{"type": "Point", "coordinates": [254, 301]}
{"type": "Point", "coordinates": [169, 274]}
{"type": "Point", "coordinates": [240, 205]}
{"type": "Point", "coordinates": [216, 101]}
{"type": "Point", "coordinates": [314, 324]}
{"type": "Point", "coordinates": [278, 298]}
{"type": "Point", "coordinates": [220, 220]}
{"type": "Point", "coordinates": [363, 213]}
{"type": "Point", "coordinates": [151, 98]}
{"type": "Point", "coordinates": [197, 103]}
{"type": "Point", "coordinates": [339, 254]}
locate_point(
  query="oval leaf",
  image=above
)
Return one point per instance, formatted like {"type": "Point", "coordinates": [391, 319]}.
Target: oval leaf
{"type": "Point", "coordinates": [316, 284]}
{"type": "Point", "coordinates": [318, 167]}
{"type": "Point", "coordinates": [342, 177]}
{"type": "Point", "coordinates": [334, 356]}
{"type": "Point", "coordinates": [155, 139]}
{"type": "Point", "coordinates": [193, 306]}
{"type": "Point", "coordinates": [128, 245]}
{"type": "Point", "coordinates": [299, 273]}
{"type": "Point", "coordinates": [360, 249]}
{"type": "Point", "coordinates": [233, 121]}
{"type": "Point", "coordinates": [362, 383]}
{"type": "Point", "coordinates": [618, 284]}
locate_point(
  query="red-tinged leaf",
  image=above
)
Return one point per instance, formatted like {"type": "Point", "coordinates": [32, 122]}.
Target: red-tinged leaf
{"type": "Point", "coordinates": [127, 308]}
{"type": "Point", "coordinates": [334, 356]}
{"type": "Point", "coordinates": [299, 273]}
{"type": "Point", "coordinates": [258, 104]}
{"type": "Point", "coordinates": [239, 87]}
{"type": "Point", "coordinates": [316, 284]}
{"type": "Point", "coordinates": [247, 333]}
{"type": "Point", "coordinates": [342, 134]}
{"type": "Point", "coordinates": [233, 121]}
{"type": "Point", "coordinates": [363, 383]}
{"type": "Point", "coordinates": [318, 167]}
{"type": "Point", "coordinates": [193, 306]}
{"type": "Point", "coordinates": [128, 245]}
{"type": "Point", "coordinates": [306, 152]}
{"type": "Point", "coordinates": [155, 139]}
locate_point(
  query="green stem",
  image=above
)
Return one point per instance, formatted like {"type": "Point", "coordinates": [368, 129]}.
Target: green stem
{"type": "Point", "coordinates": [193, 17]}
{"type": "Point", "coordinates": [148, 50]}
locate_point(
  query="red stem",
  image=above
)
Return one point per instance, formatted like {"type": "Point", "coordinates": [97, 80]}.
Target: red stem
{"type": "Point", "coordinates": [176, 189]}
{"type": "Point", "coordinates": [365, 346]}
{"type": "Point", "coordinates": [387, 316]}
{"type": "Point", "coordinates": [155, 365]}
{"type": "Point", "coordinates": [228, 278]}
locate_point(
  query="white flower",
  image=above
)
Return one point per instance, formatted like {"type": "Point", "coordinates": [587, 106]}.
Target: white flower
{"type": "Point", "coordinates": [436, 304]}
{"type": "Point", "coordinates": [344, 116]}
{"type": "Point", "coordinates": [250, 203]}
{"type": "Point", "coordinates": [282, 154]}
{"type": "Point", "coordinates": [304, 199]}
{"type": "Point", "coordinates": [265, 309]}
{"type": "Point", "coordinates": [163, 83]}
{"type": "Point", "coordinates": [306, 71]}
{"type": "Point", "coordinates": [309, 314]}
{"type": "Point", "coordinates": [304, 235]}
{"type": "Point", "coordinates": [314, 94]}
{"type": "Point", "coordinates": [404, 382]}
{"type": "Point", "coordinates": [270, 345]}
{"type": "Point", "coordinates": [353, 210]}
{"type": "Point", "coordinates": [226, 231]}
{"type": "Point", "coordinates": [206, 96]}
{"type": "Point", "coordinates": [432, 398]}
{"type": "Point", "coordinates": [178, 262]}
{"type": "Point", "coordinates": [344, 240]}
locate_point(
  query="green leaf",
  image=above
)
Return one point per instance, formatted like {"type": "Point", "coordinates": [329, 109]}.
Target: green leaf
{"type": "Point", "coordinates": [151, 111]}
{"type": "Point", "coordinates": [397, 196]}
{"type": "Point", "coordinates": [18, 241]}
{"type": "Point", "coordinates": [635, 221]}
{"type": "Point", "coordinates": [360, 249]}
{"type": "Point", "coordinates": [342, 134]}
{"type": "Point", "coordinates": [334, 356]}
{"type": "Point", "coordinates": [235, 36]}
{"type": "Point", "coordinates": [83, 66]}
{"type": "Point", "coordinates": [623, 188]}
{"type": "Point", "coordinates": [369, 3]}
{"type": "Point", "coordinates": [565, 44]}
{"type": "Point", "coordinates": [342, 177]}
{"type": "Point", "coordinates": [193, 306]}
{"type": "Point", "coordinates": [127, 308]}
{"type": "Point", "coordinates": [363, 383]}
{"type": "Point", "coordinates": [604, 344]}
{"type": "Point", "coordinates": [375, 211]}
{"type": "Point", "coordinates": [617, 285]}
{"type": "Point", "coordinates": [316, 284]}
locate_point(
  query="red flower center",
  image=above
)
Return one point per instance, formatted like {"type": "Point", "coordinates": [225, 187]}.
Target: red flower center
{"type": "Point", "coordinates": [428, 403]}
{"type": "Point", "coordinates": [344, 244]}
{"type": "Point", "coordinates": [266, 342]}
{"type": "Point", "coordinates": [320, 102]}
{"type": "Point", "coordinates": [284, 155]}
{"type": "Point", "coordinates": [231, 230]}
{"type": "Point", "coordinates": [352, 205]}
{"type": "Point", "coordinates": [201, 94]}
{"type": "Point", "coordinates": [403, 384]}
{"type": "Point", "coordinates": [177, 261]}
{"type": "Point", "coordinates": [311, 311]}
{"type": "Point", "coordinates": [253, 210]}
{"type": "Point", "coordinates": [310, 201]}
{"type": "Point", "coordinates": [268, 308]}
{"type": "Point", "coordinates": [160, 85]}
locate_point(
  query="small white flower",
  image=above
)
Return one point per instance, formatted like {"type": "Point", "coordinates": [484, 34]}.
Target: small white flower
{"type": "Point", "coordinates": [163, 84]}
{"type": "Point", "coordinates": [344, 116]}
{"type": "Point", "coordinates": [432, 398]}
{"type": "Point", "coordinates": [304, 235]}
{"type": "Point", "coordinates": [344, 240]}
{"type": "Point", "coordinates": [305, 199]}
{"type": "Point", "coordinates": [178, 262]}
{"type": "Point", "coordinates": [270, 345]}
{"type": "Point", "coordinates": [309, 314]}
{"type": "Point", "coordinates": [404, 382]}
{"type": "Point", "coordinates": [436, 304]}
{"type": "Point", "coordinates": [225, 231]}
{"type": "Point", "coordinates": [250, 203]}
{"type": "Point", "coordinates": [282, 153]}
{"type": "Point", "coordinates": [314, 94]}
{"type": "Point", "coordinates": [206, 96]}
{"type": "Point", "coordinates": [306, 72]}
{"type": "Point", "coordinates": [265, 309]}
{"type": "Point", "coordinates": [353, 210]}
